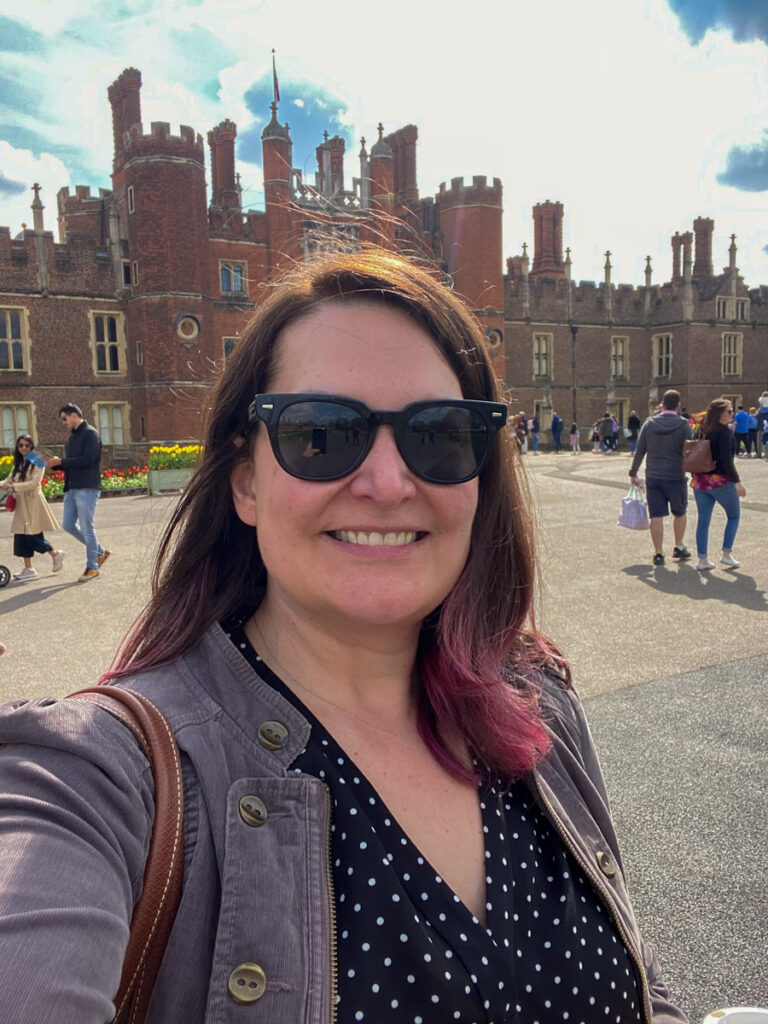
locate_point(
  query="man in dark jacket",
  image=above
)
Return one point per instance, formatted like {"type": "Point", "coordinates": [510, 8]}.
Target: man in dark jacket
{"type": "Point", "coordinates": [82, 486]}
{"type": "Point", "coordinates": [661, 440]}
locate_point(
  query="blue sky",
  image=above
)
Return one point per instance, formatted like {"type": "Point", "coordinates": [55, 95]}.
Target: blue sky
{"type": "Point", "coordinates": [639, 115]}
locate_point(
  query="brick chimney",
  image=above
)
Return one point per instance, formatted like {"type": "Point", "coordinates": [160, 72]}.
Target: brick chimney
{"type": "Point", "coordinates": [548, 240]}
{"type": "Point", "coordinates": [702, 264]}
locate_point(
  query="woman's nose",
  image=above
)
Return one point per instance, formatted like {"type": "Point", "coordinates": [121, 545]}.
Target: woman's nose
{"type": "Point", "coordinates": [383, 475]}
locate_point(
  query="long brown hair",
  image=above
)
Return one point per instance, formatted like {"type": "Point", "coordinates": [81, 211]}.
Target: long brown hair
{"type": "Point", "coordinates": [711, 420]}
{"type": "Point", "coordinates": [482, 637]}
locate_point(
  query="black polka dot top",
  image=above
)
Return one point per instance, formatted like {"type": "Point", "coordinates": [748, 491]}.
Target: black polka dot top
{"type": "Point", "coordinates": [410, 952]}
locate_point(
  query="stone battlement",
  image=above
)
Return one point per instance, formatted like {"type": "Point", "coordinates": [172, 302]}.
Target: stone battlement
{"type": "Point", "coordinates": [161, 142]}
{"type": "Point", "coordinates": [479, 191]}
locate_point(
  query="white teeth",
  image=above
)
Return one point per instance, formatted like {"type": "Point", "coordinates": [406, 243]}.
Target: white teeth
{"type": "Point", "coordinates": [390, 540]}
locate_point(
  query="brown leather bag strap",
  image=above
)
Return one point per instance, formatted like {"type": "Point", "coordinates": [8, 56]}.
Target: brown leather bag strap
{"type": "Point", "coordinates": [155, 911]}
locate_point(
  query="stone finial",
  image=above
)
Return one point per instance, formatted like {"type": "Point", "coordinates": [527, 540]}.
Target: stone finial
{"type": "Point", "coordinates": [732, 253]}
{"type": "Point", "coordinates": [648, 271]}
{"type": "Point", "coordinates": [568, 263]}
{"type": "Point", "coordinates": [608, 266]}
{"type": "Point", "coordinates": [37, 208]}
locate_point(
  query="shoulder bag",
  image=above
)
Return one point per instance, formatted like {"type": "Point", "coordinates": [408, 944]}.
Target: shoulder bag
{"type": "Point", "coordinates": [697, 456]}
{"type": "Point", "coordinates": [155, 911]}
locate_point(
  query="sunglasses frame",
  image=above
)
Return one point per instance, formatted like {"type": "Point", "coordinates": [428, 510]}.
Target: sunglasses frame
{"type": "Point", "coordinates": [269, 407]}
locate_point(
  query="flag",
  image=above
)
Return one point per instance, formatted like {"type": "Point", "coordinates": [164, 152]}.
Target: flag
{"type": "Point", "coordinates": [275, 86]}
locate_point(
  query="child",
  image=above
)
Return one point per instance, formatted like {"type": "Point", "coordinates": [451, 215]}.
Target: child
{"type": "Point", "coordinates": [573, 436]}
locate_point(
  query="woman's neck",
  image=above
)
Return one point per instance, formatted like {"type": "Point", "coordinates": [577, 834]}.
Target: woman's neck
{"type": "Point", "coordinates": [368, 676]}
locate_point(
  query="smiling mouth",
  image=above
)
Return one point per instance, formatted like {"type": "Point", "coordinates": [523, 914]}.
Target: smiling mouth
{"type": "Point", "coordinates": [390, 540]}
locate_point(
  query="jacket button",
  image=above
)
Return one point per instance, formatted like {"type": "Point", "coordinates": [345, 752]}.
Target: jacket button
{"type": "Point", "coordinates": [272, 735]}
{"type": "Point", "coordinates": [253, 811]}
{"type": "Point", "coordinates": [247, 983]}
{"type": "Point", "coordinates": [606, 864]}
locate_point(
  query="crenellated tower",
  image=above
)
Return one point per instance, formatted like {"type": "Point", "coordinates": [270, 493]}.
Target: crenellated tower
{"type": "Point", "coordinates": [470, 225]}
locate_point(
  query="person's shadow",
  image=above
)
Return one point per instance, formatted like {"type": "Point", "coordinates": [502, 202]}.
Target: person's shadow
{"type": "Point", "coordinates": [16, 595]}
{"type": "Point", "coordinates": [683, 578]}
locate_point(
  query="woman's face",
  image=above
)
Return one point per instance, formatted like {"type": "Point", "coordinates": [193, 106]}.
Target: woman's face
{"type": "Point", "coordinates": [23, 446]}
{"type": "Point", "coordinates": [311, 534]}
{"type": "Point", "coordinates": [726, 416]}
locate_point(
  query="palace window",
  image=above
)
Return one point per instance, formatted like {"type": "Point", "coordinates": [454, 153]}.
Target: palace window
{"type": "Point", "coordinates": [135, 266]}
{"type": "Point", "coordinates": [619, 357]}
{"type": "Point", "coordinates": [112, 419]}
{"type": "Point", "coordinates": [131, 202]}
{"type": "Point", "coordinates": [729, 308]}
{"type": "Point", "coordinates": [662, 355]}
{"type": "Point", "coordinates": [15, 420]}
{"type": "Point", "coordinates": [228, 346]}
{"type": "Point", "coordinates": [127, 273]}
{"type": "Point", "coordinates": [731, 355]}
{"type": "Point", "coordinates": [233, 276]}
{"type": "Point", "coordinates": [542, 355]}
{"type": "Point", "coordinates": [108, 342]}
{"type": "Point", "coordinates": [13, 340]}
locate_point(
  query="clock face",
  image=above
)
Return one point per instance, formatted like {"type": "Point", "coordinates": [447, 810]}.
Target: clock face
{"type": "Point", "coordinates": [187, 328]}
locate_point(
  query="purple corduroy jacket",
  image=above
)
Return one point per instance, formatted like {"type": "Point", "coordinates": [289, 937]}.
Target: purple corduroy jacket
{"type": "Point", "coordinates": [76, 808]}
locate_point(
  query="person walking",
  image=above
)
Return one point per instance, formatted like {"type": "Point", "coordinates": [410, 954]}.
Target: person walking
{"type": "Point", "coordinates": [82, 486]}
{"type": "Point", "coordinates": [633, 426]}
{"type": "Point", "coordinates": [534, 429]}
{"type": "Point", "coordinates": [741, 430]}
{"type": "Point", "coordinates": [721, 486]}
{"type": "Point", "coordinates": [753, 445]}
{"type": "Point", "coordinates": [606, 434]}
{"type": "Point", "coordinates": [573, 437]}
{"type": "Point", "coordinates": [660, 442]}
{"type": "Point", "coordinates": [557, 431]}
{"type": "Point", "coordinates": [31, 516]}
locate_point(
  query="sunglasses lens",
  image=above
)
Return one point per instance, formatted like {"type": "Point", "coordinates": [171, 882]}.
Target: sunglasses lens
{"type": "Point", "coordinates": [445, 444]}
{"type": "Point", "coordinates": [320, 440]}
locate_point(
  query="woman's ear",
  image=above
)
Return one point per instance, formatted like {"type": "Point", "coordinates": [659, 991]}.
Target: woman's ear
{"type": "Point", "coordinates": [242, 483]}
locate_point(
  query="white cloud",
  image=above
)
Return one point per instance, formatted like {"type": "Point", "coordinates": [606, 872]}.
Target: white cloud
{"type": "Point", "coordinates": [19, 165]}
{"type": "Point", "coordinates": [605, 106]}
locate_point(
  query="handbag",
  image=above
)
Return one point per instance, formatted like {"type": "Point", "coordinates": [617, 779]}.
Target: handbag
{"type": "Point", "coordinates": [634, 511]}
{"type": "Point", "coordinates": [155, 911]}
{"type": "Point", "coordinates": [10, 502]}
{"type": "Point", "coordinates": [697, 456]}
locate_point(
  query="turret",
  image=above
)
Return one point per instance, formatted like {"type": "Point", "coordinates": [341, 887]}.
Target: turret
{"type": "Point", "coordinates": [282, 224]}
{"type": "Point", "coordinates": [125, 100]}
{"type": "Point", "coordinates": [403, 146]}
{"type": "Point", "coordinates": [225, 194]}
{"type": "Point", "coordinates": [470, 225]}
{"type": "Point", "coordinates": [677, 241]}
{"type": "Point", "coordinates": [382, 188]}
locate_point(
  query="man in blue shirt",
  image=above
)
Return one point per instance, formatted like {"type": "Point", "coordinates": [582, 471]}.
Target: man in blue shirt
{"type": "Point", "coordinates": [741, 429]}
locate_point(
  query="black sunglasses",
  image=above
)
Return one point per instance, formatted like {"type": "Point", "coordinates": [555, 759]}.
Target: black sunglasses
{"type": "Point", "coordinates": [326, 437]}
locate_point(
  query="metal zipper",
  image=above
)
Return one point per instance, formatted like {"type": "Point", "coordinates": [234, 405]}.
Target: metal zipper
{"type": "Point", "coordinates": [607, 897]}
{"type": "Point", "coordinates": [332, 907]}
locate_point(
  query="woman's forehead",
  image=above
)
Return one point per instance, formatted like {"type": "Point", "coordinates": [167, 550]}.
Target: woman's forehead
{"type": "Point", "coordinates": [340, 346]}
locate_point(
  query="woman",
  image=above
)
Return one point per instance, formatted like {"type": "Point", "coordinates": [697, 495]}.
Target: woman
{"type": "Point", "coordinates": [721, 486]}
{"type": "Point", "coordinates": [393, 810]}
{"type": "Point", "coordinates": [633, 425]}
{"type": "Point", "coordinates": [31, 515]}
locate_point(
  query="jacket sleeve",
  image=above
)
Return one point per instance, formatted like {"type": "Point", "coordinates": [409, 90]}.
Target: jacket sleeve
{"type": "Point", "coordinates": [588, 820]}
{"type": "Point", "coordinates": [90, 452]}
{"type": "Point", "coordinates": [75, 819]}
{"type": "Point", "coordinates": [664, 1012]}
{"type": "Point", "coordinates": [32, 482]}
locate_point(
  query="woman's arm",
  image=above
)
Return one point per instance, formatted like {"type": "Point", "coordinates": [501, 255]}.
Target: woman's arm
{"type": "Point", "coordinates": [75, 818]}
{"type": "Point", "coordinates": [32, 482]}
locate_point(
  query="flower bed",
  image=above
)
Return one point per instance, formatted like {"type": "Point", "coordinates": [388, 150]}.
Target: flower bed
{"type": "Point", "coordinates": [173, 456]}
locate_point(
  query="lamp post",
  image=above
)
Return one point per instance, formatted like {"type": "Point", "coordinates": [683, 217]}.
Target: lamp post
{"type": "Point", "coordinates": [574, 332]}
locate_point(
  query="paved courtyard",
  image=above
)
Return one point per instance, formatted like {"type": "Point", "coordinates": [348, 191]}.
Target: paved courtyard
{"type": "Point", "coordinates": [672, 665]}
